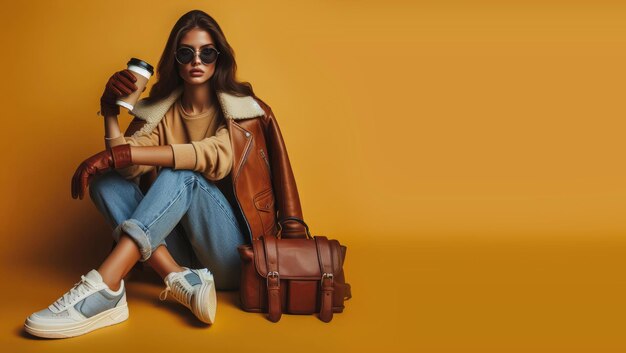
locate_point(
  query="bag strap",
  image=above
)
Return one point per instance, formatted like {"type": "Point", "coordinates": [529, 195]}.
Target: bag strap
{"type": "Point", "coordinates": [273, 278]}
{"type": "Point", "coordinates": [348, 292]}
{"type": "Point", "coordinates": [326, 283]}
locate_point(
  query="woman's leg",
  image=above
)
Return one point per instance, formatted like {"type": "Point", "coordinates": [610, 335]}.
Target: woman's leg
{"type": "Point", "coordinates": [214, 233]}
{"type": "Point", "coordinates": [117, 198]}
{"type": "Point", "coordinates": [95, 302]}
{"type": "Point", "coordinates": [169, 199]}
{"type": "Point", "coordinates": [119, 262]}
{"type": "Point", "coordinates": [187, 197]}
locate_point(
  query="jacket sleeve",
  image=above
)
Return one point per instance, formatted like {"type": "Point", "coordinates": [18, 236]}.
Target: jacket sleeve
{"type": "Point", "coordinates": [283, 180]}
{"type": "Point", "coordinates": [211, 156]}
{"type": "Point", "coordinates": [134, 171]}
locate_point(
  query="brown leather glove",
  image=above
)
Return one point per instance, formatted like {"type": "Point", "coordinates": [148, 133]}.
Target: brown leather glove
{"type": "Point", "coordinates": [120, 84]}
{"type": "Point", "coordinates": [117, 157]}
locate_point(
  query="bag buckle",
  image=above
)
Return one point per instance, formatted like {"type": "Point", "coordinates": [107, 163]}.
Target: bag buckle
{"type": "Point", "coordinates": [272, 274]}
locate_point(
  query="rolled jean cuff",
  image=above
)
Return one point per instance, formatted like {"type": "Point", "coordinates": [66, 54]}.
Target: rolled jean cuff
{"type": "Point", "coordinates": [138, 233]}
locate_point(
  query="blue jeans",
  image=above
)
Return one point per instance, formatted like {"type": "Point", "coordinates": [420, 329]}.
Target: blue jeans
{"type": "Point", "coordinates": [209, 235]}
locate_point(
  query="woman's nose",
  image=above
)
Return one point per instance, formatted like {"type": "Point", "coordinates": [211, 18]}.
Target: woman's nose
{"type": "Point", "coordinates": [196, 59]}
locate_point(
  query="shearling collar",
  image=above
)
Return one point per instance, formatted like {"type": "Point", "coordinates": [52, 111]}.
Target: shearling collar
{"type": "Point", "coordinates": [234, 107]}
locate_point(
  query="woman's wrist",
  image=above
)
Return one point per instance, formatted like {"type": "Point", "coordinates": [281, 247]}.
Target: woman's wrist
{"type": "Point", "coordinates": [111, 127]}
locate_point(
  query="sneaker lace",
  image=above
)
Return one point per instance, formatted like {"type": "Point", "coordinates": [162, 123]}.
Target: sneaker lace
{"type": "Point", "coordinates": [79, 289]}
{"type": "Point", "coordinates": [179, 291]}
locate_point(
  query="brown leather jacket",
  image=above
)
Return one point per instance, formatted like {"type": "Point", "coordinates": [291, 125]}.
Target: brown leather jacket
{"type": "Point", "coordinates": [261, 186]}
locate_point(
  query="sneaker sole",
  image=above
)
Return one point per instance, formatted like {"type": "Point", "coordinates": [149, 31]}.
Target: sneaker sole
{"type": "Point", "coordinates": [106, 318]}
{"type": "Point", "coordinates": [206, 308]}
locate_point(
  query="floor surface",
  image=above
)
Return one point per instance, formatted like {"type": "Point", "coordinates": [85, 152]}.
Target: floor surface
{"type": "Point", "coordinates": [425, 295]}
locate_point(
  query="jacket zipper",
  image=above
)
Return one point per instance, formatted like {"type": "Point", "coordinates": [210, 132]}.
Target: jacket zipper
{"type": "Point", "coordinates": [245, 155]}
{"type": "Point", "coordinates": [269, 169]}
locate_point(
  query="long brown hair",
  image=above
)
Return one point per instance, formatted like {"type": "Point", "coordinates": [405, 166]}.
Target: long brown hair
{"type": "Point", "coordinates": [223, 78]}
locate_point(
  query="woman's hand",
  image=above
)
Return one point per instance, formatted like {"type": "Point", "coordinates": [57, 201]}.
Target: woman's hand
{"type": "Point", "coordinates": [117, 157]}
{"type": "Point", "coordinates": [120, 84]}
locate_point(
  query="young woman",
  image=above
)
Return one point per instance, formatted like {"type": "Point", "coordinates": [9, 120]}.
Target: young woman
{"type": "Point", "coordinates": [218, 161]}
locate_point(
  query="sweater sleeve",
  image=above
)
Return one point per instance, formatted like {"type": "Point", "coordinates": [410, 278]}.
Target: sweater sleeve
{"type": "Point", "coordinates": [143, 139]}
{"type": "Point", "coordinates": [211, 156]}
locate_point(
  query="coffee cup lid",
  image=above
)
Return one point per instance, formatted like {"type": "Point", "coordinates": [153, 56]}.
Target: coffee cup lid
{"type": "Point", "coordinates": [142, 64]}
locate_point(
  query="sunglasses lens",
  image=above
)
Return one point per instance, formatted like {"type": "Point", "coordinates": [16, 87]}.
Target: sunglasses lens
{"type": "Point", "coordinates": [208, 55]}
{"type": "Point", "coordinates": [184, 55]}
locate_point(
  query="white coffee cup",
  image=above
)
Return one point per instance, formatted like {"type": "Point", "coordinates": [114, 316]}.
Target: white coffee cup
{"type": "Point", "coordinates": [142, 71]}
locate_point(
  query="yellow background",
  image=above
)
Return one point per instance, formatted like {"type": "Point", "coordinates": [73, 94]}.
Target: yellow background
{"type": "Point", "coordinates": [469, 154]}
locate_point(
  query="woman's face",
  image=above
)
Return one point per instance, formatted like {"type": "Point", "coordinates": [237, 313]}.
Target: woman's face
{"type": "Point", "coordinates": [196, 39]}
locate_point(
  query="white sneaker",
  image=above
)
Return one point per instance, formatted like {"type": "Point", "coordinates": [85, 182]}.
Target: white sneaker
{"type": "Point", "coordinates": [195, 289]}
{"type": "Point", "coordinates": [88, 306]}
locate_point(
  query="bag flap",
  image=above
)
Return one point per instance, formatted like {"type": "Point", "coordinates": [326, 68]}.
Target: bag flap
{"type": "Point", "coordinates": [297, 258]}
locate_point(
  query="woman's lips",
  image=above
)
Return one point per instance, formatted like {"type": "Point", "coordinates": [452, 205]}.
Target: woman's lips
{"type": "Point", "coordinates": [196, 73]}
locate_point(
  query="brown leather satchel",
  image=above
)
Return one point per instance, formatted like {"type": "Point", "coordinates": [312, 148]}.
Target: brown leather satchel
{"type": "Point", "coordinates": [294, 276]}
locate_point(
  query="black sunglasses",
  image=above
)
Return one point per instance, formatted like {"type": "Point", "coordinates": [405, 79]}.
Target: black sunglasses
{"type": "Point", "coordinates": [185, 55]}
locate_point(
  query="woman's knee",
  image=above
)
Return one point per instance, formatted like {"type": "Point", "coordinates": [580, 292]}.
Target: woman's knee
{"type": "Point", "coordinates": [178, 176]}
{"type": "Point", "coordinates": [106, 183]}
{"type": "Point", "coordinates": [171, 172]}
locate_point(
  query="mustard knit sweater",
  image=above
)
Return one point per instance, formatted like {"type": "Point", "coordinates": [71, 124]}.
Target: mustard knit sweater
{"type": "Point", "coordinates": [200, 143]}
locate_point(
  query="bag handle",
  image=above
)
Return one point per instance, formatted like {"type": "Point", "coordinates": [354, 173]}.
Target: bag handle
{"type": "Point", "coordinates": [280, 226]}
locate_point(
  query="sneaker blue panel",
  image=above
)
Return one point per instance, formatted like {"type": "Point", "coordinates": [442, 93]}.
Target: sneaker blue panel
{"type": "Point", "coordinates": [193, 278]}
{"type": "Point", "coordinates": [110, 296]}
{"type": "Point", "coordinates": [97, 303]}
